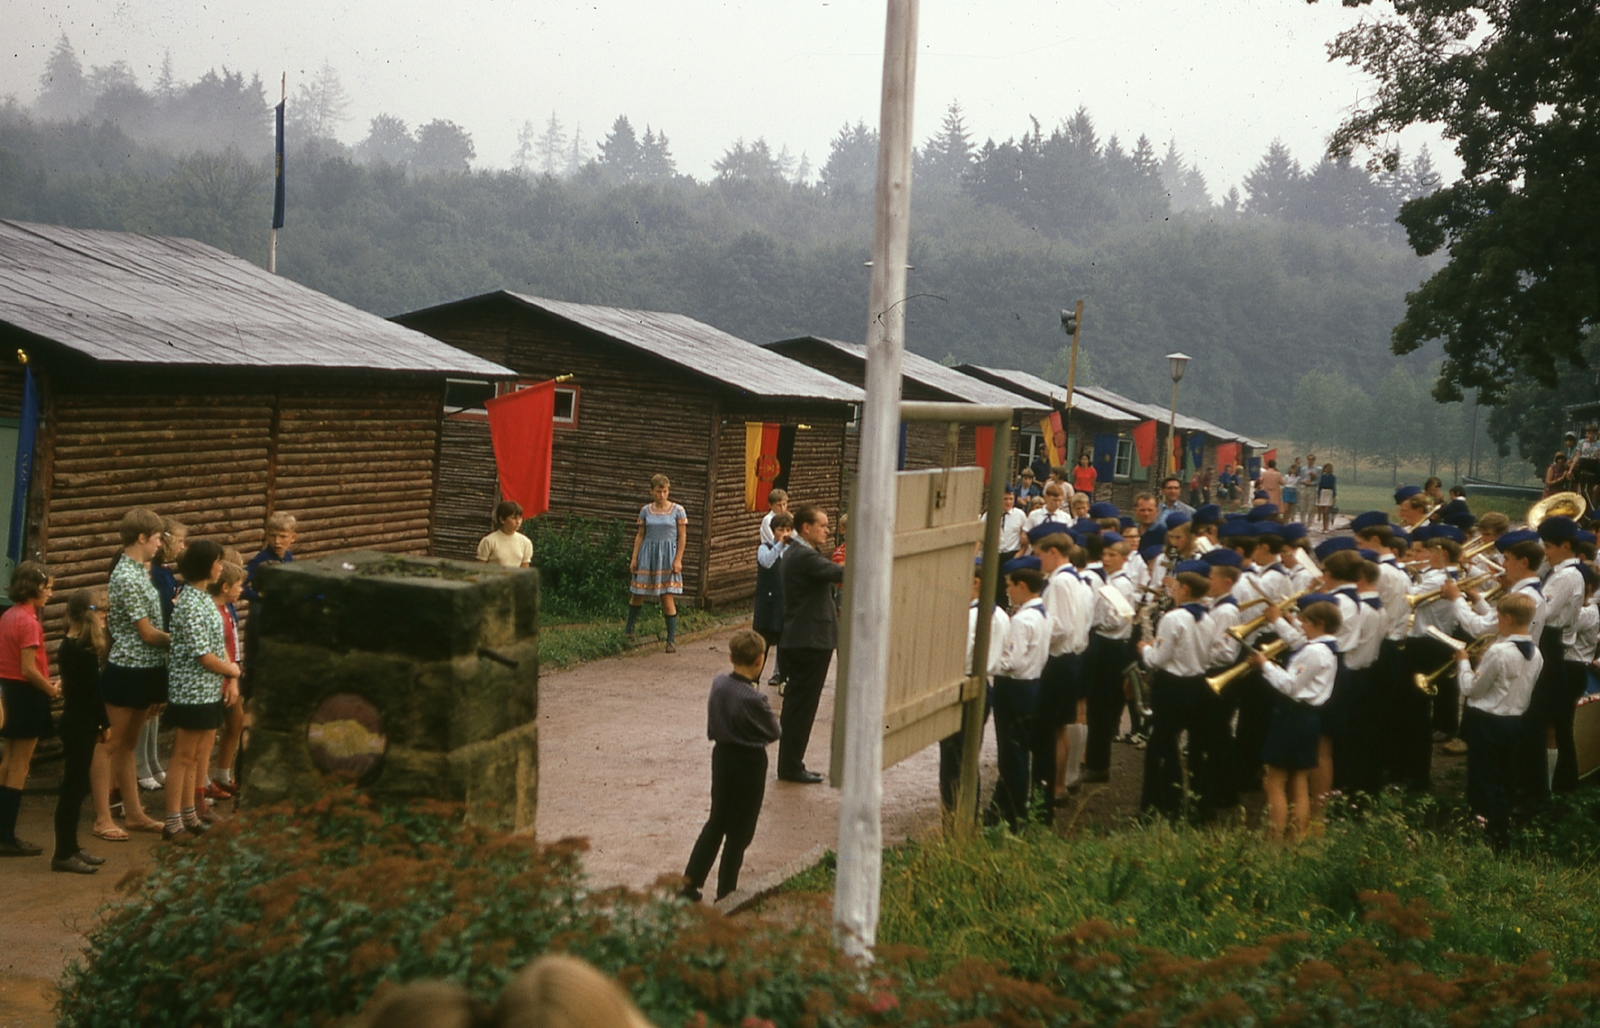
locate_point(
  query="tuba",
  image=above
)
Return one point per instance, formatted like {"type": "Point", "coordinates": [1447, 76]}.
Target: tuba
{"type": "Point", "coordinates": [1571, 505]}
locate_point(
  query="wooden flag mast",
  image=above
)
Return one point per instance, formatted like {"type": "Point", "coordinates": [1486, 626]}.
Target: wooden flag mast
{"type": "Point", "coordinates": [856, 890]}
{"type": "Point", "coordinates": [277, 160]}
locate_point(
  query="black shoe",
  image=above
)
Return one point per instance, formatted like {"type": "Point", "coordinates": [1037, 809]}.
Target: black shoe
{"type": "Point", "coordinates": [801, 777]}
{"type": "Point", "coordinates": [19, 848]}
{"type": "Point", "coordinates": [198, 828]}
{"type": "Point", "coordinates": [90, 859]}
{"type": "Point", "coordinates": [690, 893]}
{"type": "Point", "coordinates": [1094, 777]}
{"type": "Point", "coordinates": [73, 865]}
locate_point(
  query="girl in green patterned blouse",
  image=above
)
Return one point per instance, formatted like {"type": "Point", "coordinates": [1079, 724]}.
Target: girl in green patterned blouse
{"type": "Point", "coordinates": [197, 670]}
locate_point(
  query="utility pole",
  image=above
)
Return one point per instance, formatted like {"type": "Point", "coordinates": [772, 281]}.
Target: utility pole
{"type": "Point", "coordinates": [1072, 324]}
{"type": "Point", "coordinates": [856, 887]}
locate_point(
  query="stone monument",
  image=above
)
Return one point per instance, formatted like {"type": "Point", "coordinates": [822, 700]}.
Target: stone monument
{"type": "Point", "coordinates": [412, 677]}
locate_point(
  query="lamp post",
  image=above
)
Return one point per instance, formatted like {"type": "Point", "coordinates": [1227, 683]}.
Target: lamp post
{"type": "Point", "coordinates": [1177, 362]}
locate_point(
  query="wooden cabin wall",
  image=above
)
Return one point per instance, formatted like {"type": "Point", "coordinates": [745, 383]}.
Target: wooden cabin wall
{"type": "Point", "coordinates": [813, 478]}
{"type": "Point", "coordinates": [469, 487]}
{"type": "Point", "coordinates": [353, 463]}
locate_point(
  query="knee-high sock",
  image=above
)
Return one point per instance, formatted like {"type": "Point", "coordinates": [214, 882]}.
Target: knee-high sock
{"type": "Point", "coordinates": [633, 616]}
{"type": "Point", "coordinates": [1077, 739]}
{"type": "Point", "coordinates": [10, 803]}
{"type": "Point", "coordinates": [672, 628]}
{"type": "Point", "coordinates": [1550, 758]}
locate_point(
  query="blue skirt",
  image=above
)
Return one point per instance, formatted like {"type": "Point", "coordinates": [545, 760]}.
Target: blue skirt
{"type": "Point", "coordinates": [1292, 736]}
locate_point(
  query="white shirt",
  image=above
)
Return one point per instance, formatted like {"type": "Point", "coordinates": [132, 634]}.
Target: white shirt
{"type": "Point", "coordinates": [1027, 643]}
{"type": "Point", "coordinates": [1107, 622]}
{"type": "Point", "coordinates": [1393, 585]}
{"type": "Point", "coordinates": [1481, 619]}
{"type": "Point", "coordinates": [509, 551]}
{"type": "Point", "coordinates": [1182, 644]}
{"type": "Point", "coordinates": [1043, 514]}
{"type": "Point", "coordinates": [1069, 604]}
{"type": "Point", "coordinates": [1011, 522]}
{"type": "Point", "coordinates": [1364, 652]}
{"type": "Point", "coordinates": [999, 626]}
{"type": "Point", "coordinates": [1225, 614]}
{"type": "Point", "coordinates": [768, 554]}
{"type": "Point", "coordinates": [1311, 672]}
{"type": "Point", "coordinates": [1563, 598]}
{"type": "Point", "coordinates": [1588, 635]}
{"type": "Point", "coordinates": [1503, 683]}
{"type": "Point", "coordinates": [766, 527]}
{"type": "Point", "coordinates": [1438, 614]}
{"type": "Point", "coordinates": [1354, 623]}
{"type": "Point", "coordinates": [1275, 583]}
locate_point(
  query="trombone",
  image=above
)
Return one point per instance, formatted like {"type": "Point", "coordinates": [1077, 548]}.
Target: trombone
{"type": "Point", "coordinates": [1466, 584]}
{"type": "Point", "coordinates": [1475, 549]}
{"type": "Point", "coordinates": [1245, 628]}
{"type": "Point", "coordinates": [1429, 683]}
{"type": "Point", "coordinates": [1220, 680]}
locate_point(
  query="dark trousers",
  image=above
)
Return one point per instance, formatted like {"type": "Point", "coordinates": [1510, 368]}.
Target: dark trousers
{"type": "Point", "coordinates": [1016, 704]}
{"type": "Point", "coordinates": [1058, 705]}
{"type": "Point", "coordinates": [1413, 711]}
{"type": "Point", "coordinates": [773, 638]}
{"type": "Point", "coordinates": [1355, 754]}
{"type": "Point", "coordinates": [738, 783]}
{"type": "Point", "coordinates": [1533, 787]}
{"type": "Point", "coordinates": [1492, 744]}
{"type": "Point", "coordinates": [1255, 699]}
{"type": "Point", "coordinates": [77, 754]}
{"type": "Point", "coordinates": [1447, 704]}
{"type": "Point", "coordinates": [805, 670]}
{"type": "Point", "coordinates": [1000, 598]}
{"type": "Point", "coordinates": [1393, 678]}
{"type": "Point", "coordinates": [1575, 677]}
{"type": "Point", "coordinates": [1106, 659]}
{"type": "Point", "coordinates": [1179, 705]}
{"type": "Point", "coordinates": [950, 749]}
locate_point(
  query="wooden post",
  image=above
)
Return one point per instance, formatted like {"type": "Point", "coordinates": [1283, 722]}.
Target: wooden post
{"type": "Point", "coordinates": [272, 245]}
{"type": "Point", "coordinates": [1172, 433]}
{"type": "Point", "coordinates": [972, 715]}
{"type": "Point", "coordinates": [1072, 376]}
{"type": "Point", "coordinates": [855, 903]}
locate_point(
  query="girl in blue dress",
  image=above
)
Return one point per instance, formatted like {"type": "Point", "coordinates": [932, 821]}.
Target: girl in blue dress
{"type": "Point", "coordinates": [657, 563]}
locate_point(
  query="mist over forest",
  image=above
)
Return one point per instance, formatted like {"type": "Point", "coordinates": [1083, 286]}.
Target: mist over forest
{"type": "Point", "coordinates": [1283, 287]}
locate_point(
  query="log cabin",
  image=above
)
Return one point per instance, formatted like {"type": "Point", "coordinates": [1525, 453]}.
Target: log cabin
{"type": "Point", "coordinates": [650, 392]}
{"type": "Point", "coordinates": [174, 376]}
{"type": "Point", "coordinates": [922, 444]}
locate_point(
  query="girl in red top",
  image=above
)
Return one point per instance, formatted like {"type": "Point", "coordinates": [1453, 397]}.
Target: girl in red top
{"type": "Point", "coordinates": [1084, 476]}
{"type": "Point", "coordinates": [26, 690]}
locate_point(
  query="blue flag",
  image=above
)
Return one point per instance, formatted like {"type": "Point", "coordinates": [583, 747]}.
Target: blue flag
{"type": "Point", "coordinates": [25, 439]}
{"type": "Point", "coordinates": [277, 191]}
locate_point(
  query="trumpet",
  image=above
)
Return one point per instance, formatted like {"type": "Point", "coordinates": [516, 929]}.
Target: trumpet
{"type": "Point", "coordinates": [1422, 599]}
{"type": "Point", "coordinates": [1473, 550]}
{"type": "Point", "coordinates": [1243, 629]}
{"type": "Point", "coordinates": [1220, 680]}
{"type": "Point", "coordinates": [1429, 683]}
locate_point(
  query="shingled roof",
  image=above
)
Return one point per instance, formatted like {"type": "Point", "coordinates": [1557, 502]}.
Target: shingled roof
{"type": "Point", "coordinates": [1047, 392]}
{"type": "Point", "coordinates": [123, 298]}
{"type": "Point", "coordinates": [917, 368]}
{"type": "Point", "coordinates": [692, 345]}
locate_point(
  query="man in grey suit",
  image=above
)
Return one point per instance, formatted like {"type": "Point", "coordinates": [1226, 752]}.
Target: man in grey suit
{"type": "Point", "coordinates": [810, 634]}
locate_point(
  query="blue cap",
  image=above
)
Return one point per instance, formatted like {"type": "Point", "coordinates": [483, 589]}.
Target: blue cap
{"type": "Point", "coordinates": [1450, 532]}
{"type": "Point", "coordinates": [1267, 528]}
{"type": "Point", "coordinates": [1591, 577]}
{"type": "Point", "coordinates": [1405, 493]}
{"type": "Point", "coordinates": [1235, 515]}
{"type": "Point", "coordinates": [1510, 539]}
{"type": "Point", "coordinates": [1176, 518]}
{"type": "Point", "coordinates": [1558, 529]}
{"type": "Point", "coordinates": [1422, 533]}
{"type": "Point", "coordinates": [1222, 557]}
{"type": "Point", "coordinates": [1111, 537]}
{"type": "Point", "coordinates": [1018, 563]}
{"type": "Point", "coordinates": [1125, 521]}
{"type": "Point", "coordinates": [1585, 537]}
{"type": "Point", "coordinates": [1262, 494]}
{"type": "Point", "coordinates": [1044, 528]}
{"type": "Point", "coordinates": [1103, 510]}
{"type": "Point", "coordinates": [1155, 536]}
{"type": "Point", "coordinates": [1294, 531]}
{"type": "Point", "coordinates": [1236, 528]}
{"type": "Point", "coordinates": [1263, 511]}
{"type": "Point", "coordinates": [1309, 598]}
{"type": "Point", "coordinates": [1371, 555]}
{"type": "Point", "coordinates": [1086, 526]}
{"type": "Point", "coordinates": [1334, 545]}
{"type": "Point", "coordinates": [1198, 567]}
{"type": "Point", "coordinates": [1208, 514]}
{"type": "Point", "coordinates": [1400, 533]}
{"type": "Point", "coordinates": [1369, 519]}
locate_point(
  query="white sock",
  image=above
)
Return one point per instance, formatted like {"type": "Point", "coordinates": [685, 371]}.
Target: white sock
{"type": "Point", "coordinates": [224, 776]}
{"type": "Point", "coordinates": [1550, 768]}
{"type": "Point", "coordinates": [1077, 735]}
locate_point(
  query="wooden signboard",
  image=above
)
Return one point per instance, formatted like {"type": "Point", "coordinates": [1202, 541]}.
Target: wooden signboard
{"type": "Point", "coordinates": [937, 533]}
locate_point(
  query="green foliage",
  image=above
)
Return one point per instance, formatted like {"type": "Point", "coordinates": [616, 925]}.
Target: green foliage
{"type": "Point", "coordinates": [583, 565]}
{"type": "Point", "coordinates": [561, 645]}
{"type": "Point", "coordinates": [296, 917]}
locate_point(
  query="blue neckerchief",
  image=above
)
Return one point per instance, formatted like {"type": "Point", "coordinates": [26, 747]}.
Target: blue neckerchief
{"type": "Point", "coordinates": [1525, 647]}
{"type": "Point", "coordinates": [1351, 589]}
{"type": "Point", "coordinates": [1067, 568]}
{"type": "Point", "coordinates": [1372, 601]}
{"type": "Point", "coordinates": [1332, 645]}
{"type": "Point", "coordinates": [1099, 571]}
{"type": "Point", "coordinates": [1033, 604]}
{"type": "Point", "coordinates": [1533, 583]}
{"type": "Point", "coordinates": [1278, 567]}
{"type": "Point", "coordinates": [1227, 601]}
{"type": "Point", "coordinates": [1454, 573]}
{"type": "Point", "coordinates": [1195, 611]}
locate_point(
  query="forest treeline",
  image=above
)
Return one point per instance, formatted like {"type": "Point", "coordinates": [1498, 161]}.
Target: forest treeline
{"type": "Point", "coordinates": [1289, 275]}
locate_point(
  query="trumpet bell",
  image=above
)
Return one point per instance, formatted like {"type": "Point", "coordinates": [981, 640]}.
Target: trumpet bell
{"type": "Point", "coordinates": [1569, 505]}
{"type": "Point", "coordinates": [1426, 684]}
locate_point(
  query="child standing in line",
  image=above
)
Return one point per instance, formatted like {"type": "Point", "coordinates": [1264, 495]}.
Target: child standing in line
{"type": "Point", "coordinates": [1497, 695]}
{"type": "Point", "coordinates": [506, 545]}
{"type": "Point", "coordinates": [174, 537]}
{"type": "Point", "coordinates": [26, 692]}
{"type": "Point", "coordinates": [1291, 752]}
{"type": "Point", "coordinates": [741, 723]}
{"type": "Point", "coordinates": [768, 616]}
{"type": "Point", "coordinates": [225, 592]}
{"type": "Point", "coordinates": [276, 548]}
{"type": "Point", "coordinates": [1327, 496]}
{"type": "Point", "coordinates": [197, 686]}
{"type": "Point", "coordinates": [777, 503]}
{"type": "Point", "coordinates": [83, 725]}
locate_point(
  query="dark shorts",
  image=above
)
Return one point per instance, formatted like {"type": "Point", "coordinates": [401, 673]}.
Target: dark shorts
{"type": "Point", "coordinates": [27, 711]}
{"type": "Point", "coordinates": [134, 687]}
{"type": "Point", "coordinates": [193, 717]}
{"type": "Point", "coordinates": [1061, 687]}
{"type": "Point", "coordinates": [1292, 736]}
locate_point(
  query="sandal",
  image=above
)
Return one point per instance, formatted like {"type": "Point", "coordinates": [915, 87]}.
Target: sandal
{"type": "Point", "coordinates": [112, 834]}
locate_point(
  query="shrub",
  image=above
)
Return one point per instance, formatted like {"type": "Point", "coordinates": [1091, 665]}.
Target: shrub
{"type": "Point", "coordinates": [583, 565]}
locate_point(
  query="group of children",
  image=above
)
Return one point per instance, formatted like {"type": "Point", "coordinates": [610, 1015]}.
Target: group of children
{"type": "Point", "coordinates": [161, 639]}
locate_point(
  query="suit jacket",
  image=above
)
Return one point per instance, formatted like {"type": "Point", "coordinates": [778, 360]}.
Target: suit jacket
{"type": "Point", "coordinates": [810, 620]}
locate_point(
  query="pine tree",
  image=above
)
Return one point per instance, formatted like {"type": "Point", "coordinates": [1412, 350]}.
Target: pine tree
{"type": "Point", "coordinates": [655, 158]}
{"type": "Point", "coordinates": [388, 141]}
{"type": "Point", "coordinates": [1274, 186]}
{"type": "Point", "coordinates": [852, 160]}
{"type": "Point", "coordinates": [947, 157]}
{"type": "Point", "coordinates": [166, 81]}
{"type": "Point", "coordinates": [63, 95]}
{"type": "Point", "coordinates": [551, 147]}
{"type": "Point", "coordinates": [578, 155]}
{"type": "Point", "coordinates": [320, 106]}
{"type": "Point", "coordinates": [802, 174]}
{"type": "Point", "coordinates": [619, 152]}
{"type": "Point", "coordinates": [522, 156]}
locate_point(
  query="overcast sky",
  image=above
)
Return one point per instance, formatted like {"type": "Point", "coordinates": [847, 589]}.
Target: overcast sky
{"type": "Point", "coordinates": [1224, 79]}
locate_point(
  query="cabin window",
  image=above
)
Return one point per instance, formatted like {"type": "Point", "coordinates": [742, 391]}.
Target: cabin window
{"type": "Point", "coordinates": [1124, 465]}
{"type": "Point", "coordinates": [566, 406]}
{"type": "Point", "coordinates": [466, 395]}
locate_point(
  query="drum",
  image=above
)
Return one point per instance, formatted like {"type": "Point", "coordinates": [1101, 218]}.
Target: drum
{"type": "Point", "coordinates": [1586, 734]}
{"type": "Point", "coordinates": [1586, 468]}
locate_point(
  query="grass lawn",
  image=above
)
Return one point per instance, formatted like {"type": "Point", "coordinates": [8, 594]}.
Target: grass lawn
{"type": "Point", "coordinates": [563, 642]}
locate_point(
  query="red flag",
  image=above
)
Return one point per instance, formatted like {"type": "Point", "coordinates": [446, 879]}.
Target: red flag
{"type": "Point", "coordinates": [522, 429]}
{"type": "Point", "coordinates": [760, 463]}
{"type": "Point", "coordinates": [1271, 454]}
{"type": "Point", "coordinates": [1227, 455]}
{"type": "Point", "coordinates": [983, 438]}
{"type": "Point", "coordinates": [1177, 453]}
{"type": "Point", "coordinates": [1144, 440]}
